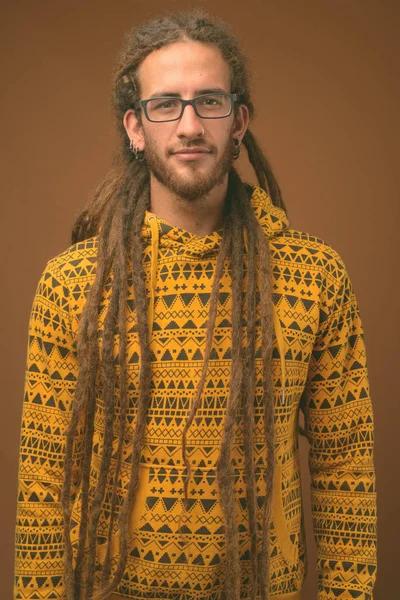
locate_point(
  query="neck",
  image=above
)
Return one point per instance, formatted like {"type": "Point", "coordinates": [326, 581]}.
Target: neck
{"type": "Point", "coordinates": [201, 216]}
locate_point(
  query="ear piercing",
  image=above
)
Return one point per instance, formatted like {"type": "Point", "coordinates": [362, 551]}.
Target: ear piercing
{"type": "Point", "coordinates": [236, 152]}
{"type": "Point", "coordinates": [139, 154]}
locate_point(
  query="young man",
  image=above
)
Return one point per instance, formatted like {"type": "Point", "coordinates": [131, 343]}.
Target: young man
{"type": "Point", "coordinates": [171, 349]}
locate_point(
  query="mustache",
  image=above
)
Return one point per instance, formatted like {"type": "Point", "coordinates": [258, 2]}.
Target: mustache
{"type": "Point", "coordinates": [193, 146]}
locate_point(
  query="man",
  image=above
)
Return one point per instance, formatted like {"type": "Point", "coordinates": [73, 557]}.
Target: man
{"type": "Point", "coordinates": [171, 349]}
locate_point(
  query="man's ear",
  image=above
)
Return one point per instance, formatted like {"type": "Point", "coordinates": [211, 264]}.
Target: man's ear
{"type": "Point", "coordinates": [134, 129]}
{"type": "Point", "coordinates": [241, 122]}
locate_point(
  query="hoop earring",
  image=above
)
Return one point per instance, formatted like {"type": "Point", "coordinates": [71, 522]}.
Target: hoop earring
{"type": "Point", "coordinates": [139, 154]}
{"type": "Point", "coordinates": [237, 149]}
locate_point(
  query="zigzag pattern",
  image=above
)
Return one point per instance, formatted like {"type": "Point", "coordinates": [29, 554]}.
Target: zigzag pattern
{"type": "Point", "coordinates": [325, 376]}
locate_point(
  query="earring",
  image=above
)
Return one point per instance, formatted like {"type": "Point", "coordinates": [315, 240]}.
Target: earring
{"type": "Point", "coordinates": [236, 152]}
{"type": "Point", "coordinates": [139, 154]}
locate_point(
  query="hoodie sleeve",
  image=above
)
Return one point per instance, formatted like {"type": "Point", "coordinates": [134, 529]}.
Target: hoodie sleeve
{"type": "Point", "coordinates": [51, 373]}
{"type": "Point", "coordinates": [339, 424]}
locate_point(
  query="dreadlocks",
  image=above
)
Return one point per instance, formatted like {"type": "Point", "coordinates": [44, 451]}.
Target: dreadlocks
{"type": "Point", "coordinates": [115, 214]}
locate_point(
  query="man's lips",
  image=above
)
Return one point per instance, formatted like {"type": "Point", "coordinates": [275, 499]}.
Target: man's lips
{"type": "Point", "coordinates": [192, 151]}
{"type": "Point", "coordinates": [191, 154]}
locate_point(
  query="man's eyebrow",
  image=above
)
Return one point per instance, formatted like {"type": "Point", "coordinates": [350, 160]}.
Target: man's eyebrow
{"type": "Point", "coordinates": [215, 90]}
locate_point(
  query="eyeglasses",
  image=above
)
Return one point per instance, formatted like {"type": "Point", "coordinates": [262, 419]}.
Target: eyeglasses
{"type": "Point", "coordinates": [206, 106]}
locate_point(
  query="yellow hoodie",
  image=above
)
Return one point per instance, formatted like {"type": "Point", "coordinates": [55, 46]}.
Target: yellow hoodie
{"type": "Point", "coordinates": [319, 367]}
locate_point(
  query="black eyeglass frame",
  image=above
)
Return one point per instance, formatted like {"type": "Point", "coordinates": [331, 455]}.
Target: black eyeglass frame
{"type": "Point", "coordinates": [143, 104]}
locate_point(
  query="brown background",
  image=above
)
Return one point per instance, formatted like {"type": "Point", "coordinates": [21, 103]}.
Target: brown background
{"type": "Point", "coordinates": [326, 90]}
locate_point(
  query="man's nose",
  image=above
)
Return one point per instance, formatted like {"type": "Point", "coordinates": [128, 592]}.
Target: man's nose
{"type": "Point", "coordinates": [189, 125]}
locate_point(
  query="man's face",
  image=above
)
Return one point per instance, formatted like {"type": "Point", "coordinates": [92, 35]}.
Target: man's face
{"type": "Point", "coordinates": [186, 69]}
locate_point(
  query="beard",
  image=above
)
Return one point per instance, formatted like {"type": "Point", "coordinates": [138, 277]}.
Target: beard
{"type": "Point", "coordinates": [195, 184]}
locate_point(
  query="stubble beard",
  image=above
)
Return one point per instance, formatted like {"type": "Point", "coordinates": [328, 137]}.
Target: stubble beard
{"type": "Point", "coordinates": [196, 185]}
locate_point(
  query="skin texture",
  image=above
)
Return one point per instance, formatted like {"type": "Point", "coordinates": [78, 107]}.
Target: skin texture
{"type": "Point", "coordinates": [187, 193]}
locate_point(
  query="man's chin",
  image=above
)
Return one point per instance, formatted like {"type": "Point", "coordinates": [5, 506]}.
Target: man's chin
{"type": "Point", "coordinates": [190, 184]}
{"type": "Point", "coordinates": [191, 166]}
{"type": "Point", "coordinates": [190, 180]}
{"type": "Point", "coordinates": [190, 191]}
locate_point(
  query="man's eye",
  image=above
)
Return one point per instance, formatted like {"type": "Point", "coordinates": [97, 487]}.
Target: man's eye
{"type": "Point", "coordinates": [210, 101]}
{"type": "Point", "coordinates": [167, 104]}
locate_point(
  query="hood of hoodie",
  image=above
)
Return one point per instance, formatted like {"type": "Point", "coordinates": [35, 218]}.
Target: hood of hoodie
{"type": "Point", "coordinates": [272, 219]}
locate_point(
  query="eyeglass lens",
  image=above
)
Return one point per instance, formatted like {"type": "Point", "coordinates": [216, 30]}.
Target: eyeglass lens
{"type": "Point", "coordinates": [164, 109]}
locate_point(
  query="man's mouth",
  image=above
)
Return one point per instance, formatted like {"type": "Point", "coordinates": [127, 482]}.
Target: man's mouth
{"type": "Point", "coordinates": [191, 153]}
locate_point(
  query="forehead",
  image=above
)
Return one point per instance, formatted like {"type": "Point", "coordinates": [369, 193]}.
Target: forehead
{"type": "Point", "coordinates": [185, 68]}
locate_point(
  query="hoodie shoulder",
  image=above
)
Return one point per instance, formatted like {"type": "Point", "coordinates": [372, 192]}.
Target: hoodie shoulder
{"type": "Point", "coordinates": [313, 267]}
{"type": "Point", "coordinates": [67, 278]}
{"type": "Point", "coordinates": [303, 249]}
{"type": "Point", "coordinates": [78, 260]}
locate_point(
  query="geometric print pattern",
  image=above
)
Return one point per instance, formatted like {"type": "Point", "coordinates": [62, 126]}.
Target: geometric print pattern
{"type": "Point", "coordinates": [325, 377]}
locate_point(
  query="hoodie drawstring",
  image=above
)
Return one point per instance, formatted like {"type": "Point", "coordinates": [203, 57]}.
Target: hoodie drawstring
{"type": "Point", "coordinates": [152, 221]}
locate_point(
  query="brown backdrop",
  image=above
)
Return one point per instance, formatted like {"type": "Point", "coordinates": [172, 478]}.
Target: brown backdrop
{"type": "Point", "coordinates": [326, 91]}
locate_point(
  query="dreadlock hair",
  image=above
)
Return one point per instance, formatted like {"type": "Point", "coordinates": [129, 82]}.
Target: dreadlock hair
{"type": "Point", "coordinates": [115, 215]}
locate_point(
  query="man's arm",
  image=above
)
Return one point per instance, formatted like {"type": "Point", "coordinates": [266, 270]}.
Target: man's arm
{"type": "Point", "coordinates": [339, 424]}
{"type": "Point", "coordinates": [51, 373]}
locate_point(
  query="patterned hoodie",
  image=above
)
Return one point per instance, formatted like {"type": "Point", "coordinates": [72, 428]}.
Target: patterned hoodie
{"type": "Point", "coordinates": [319, 367]}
